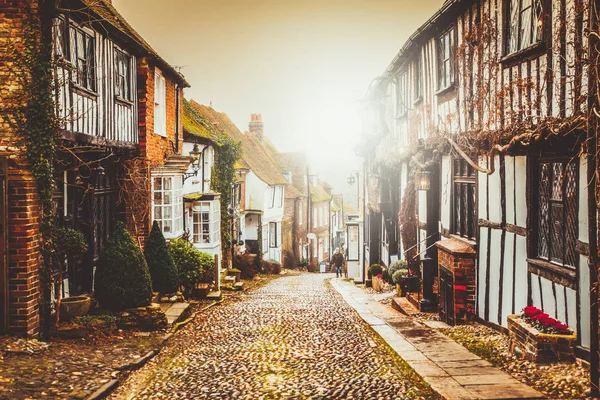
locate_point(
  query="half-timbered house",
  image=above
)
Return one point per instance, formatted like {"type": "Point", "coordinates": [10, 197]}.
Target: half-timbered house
{"type": "Point", "coordinates": [483, 117]}
{"type": "Point", "coordinates": [104, 80]}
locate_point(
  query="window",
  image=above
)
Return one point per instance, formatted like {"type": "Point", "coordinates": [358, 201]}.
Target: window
{"type": "Point", "coordinates": [160, 109]}
{"type": "Point", "coordinates": [525, 23]}
{"type": "Point", "coordinates": [445, 56]}
{"type": "Point", "coordinates": [265, 238]}
{"type": "Point", "coordinates": [59, 32]}
{"type": "Point", "coordinates": [557, 212]}
{"type": "Point", "coordinates": [315, 220]}
{"type": "Point", "coordinates": [122, 75]}
{"type": "Point", "coordinates": [418, 83]}
{"type": "Point", "coordinates": [402, 95]}
{"type": "Point", "coordinates": [82, 57]}
{"type": "Point", "coordinates": [465, 201]}
{"type": "Point", "coordinates": [206, 221]}
{"type": "Point", "coordinates": [273, 234]}
{"type": "Point", "coordinates": [168, 204]}
{"type": "Point", "coordinates": [300, 217]}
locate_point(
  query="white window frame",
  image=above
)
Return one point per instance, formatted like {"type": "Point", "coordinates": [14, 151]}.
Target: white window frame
{"type": "Point", "coordinates": [265, 238]}
{"type": "Point", "coordinates": [273, 230]}
{"type": "Point", "coordinates": [206, 223]}
{"type": "Point", "coordinates": [160, 105]}
{"type": "Point", "coordinates": [168, 215]}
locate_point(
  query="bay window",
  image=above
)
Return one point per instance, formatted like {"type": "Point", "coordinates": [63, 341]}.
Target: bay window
{"type": "Point", "coordinates": [168, 204]}
{"type": "Point", "coordinates": [205, 220]}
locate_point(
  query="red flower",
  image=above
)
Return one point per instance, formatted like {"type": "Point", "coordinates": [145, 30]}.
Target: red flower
{"type": "Point", "coordinates": [379, 276]}
{"type": "Point", "coordinates": [530, 311]}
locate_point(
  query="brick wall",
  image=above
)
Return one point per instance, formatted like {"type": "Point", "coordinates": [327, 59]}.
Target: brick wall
{"type": "Point", "coordinates": [154, 148]}
{"type": "Point", "coordinates": [22, 231]}
{"type": "Point", "coordinates": [24, 258]}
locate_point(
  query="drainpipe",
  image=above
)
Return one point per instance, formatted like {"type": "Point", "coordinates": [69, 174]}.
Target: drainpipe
{"type": "Point", "coordinates": [593, 104]}
{"type": "Point", "coordinates": [177, 117]}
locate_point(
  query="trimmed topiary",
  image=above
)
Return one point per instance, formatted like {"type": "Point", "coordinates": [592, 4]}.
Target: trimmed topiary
{"type": "Point", "coordinates": [122, 277]}
{"type": "Point", "coordinates": [165, 278]}
{"type": "Point", "coordinates": [188, 260]}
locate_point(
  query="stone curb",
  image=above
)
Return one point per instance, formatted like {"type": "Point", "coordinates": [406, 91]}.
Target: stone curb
{"type": "Point", "coordinates": [178, 325]}
{"type": "Point", "coordinates": [104, 390]}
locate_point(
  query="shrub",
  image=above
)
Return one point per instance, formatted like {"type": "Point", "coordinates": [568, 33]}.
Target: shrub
{"type": "Point", "coordinates": [246, 265]}
{"type": "Point", "coordinates": [385, 275]}
{"type": "Point", "coordinates": [207, 267]}
{"type": "Point", "coordinates": [122, 277]}
{"type": "Point", "coordinates": [375, 269]}
{"type": "Point", "coordinates": [303, 263]}
{"type": "Point", "coordinates": [276, 269]}
{"type": "Point", "coordinates": [165, 278]}
{"type": "Point", "coordinates": [188, 260]}
{"type": "Point", "coordinates": [395, 266]}
{"type": "Point", "coordinates": [399, 274]}
{"type": "Point", "coordinates": [271, 267]}
{"type": "Point", "coordinates": [70, 245]}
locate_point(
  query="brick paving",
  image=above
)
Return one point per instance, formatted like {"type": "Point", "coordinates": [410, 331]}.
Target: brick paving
{"type": "Point", "coordinates": [293, 338]}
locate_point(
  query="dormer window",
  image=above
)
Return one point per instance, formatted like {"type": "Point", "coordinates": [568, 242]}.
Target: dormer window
{"type": "Point", "coordinates": [524, 24]}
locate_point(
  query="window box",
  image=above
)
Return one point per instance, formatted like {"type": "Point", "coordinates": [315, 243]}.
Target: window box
{"type": "Point", "coordinates": [528, 343]}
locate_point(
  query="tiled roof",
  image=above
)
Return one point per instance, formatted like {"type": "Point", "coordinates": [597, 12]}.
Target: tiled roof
{"type": "Point", "coordinates": [296, 164]}
{"type": "Point", "coordinates": [196, 124]}
{"type": "Point", "coordinates": [317, 193]}
{"type": "Point", "coordinates": [254, 155]}
{"type": "Point", "coordinates": [108, 13]}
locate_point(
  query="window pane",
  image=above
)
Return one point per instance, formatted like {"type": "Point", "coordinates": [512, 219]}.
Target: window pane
{"type": "Point", "coordinates": [168, 225]}
{"type": "Point", "coordinates": [167, 198]}
{"type": "Point", "coordinates": [557, 179]}
{"type": "Point", "coordinates": [157, 183]}
{"type": "Point", "coordinates": [167, 183]}
{"type": "Point", "coordinates": [572, 220]}
{"type": "Point", "coordinates": [158, 212]}
{"type": "Point", "coordinates": [157, 198]}
{"type": "Point", "coordinates": [556, 252]}
{"type": "Point", "coordinates": [544, 212]}
{"type": "Point", "coordinates": [514, 26]}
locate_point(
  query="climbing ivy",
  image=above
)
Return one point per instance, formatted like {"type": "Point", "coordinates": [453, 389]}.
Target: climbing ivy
{"type": "Point", "coordinates": [32, 116]}
{"type": "Point", "coordinates": [223, 178]}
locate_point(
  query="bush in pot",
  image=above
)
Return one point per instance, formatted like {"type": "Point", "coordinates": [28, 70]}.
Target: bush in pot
{"type": "Point", "coordinates": [165, 277]}
{"type": "Point", "coordinates": [208, 268]}
{"type": "Point", "coordinates": [122, 277]}
{"type": "Point", "coordinates": [375, 269]}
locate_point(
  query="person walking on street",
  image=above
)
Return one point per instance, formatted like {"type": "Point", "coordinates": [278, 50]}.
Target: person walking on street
{"type": "Point", "coordinates": [338, 261]}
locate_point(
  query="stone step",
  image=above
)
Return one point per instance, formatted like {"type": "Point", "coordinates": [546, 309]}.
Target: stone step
{"type": "Point", "coordinates": [230, 279]}
{"type": "Point", "coordinates": [175, 311]}
{"type": "Point", "coordinates": [239, 285]}
{"type": "Point", "coordinates": [214, 295]}
{"type": "Point", "coordinates": [404, 306]}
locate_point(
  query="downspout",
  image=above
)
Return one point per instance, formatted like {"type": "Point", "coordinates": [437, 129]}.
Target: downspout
{"type": "Point", "coordinates": [593, 104]}
{"type": "Point", "coordinates": [177, 117]}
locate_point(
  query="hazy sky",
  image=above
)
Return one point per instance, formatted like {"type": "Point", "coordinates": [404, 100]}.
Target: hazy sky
{"type": "Point", "coordinates": [302, 64]}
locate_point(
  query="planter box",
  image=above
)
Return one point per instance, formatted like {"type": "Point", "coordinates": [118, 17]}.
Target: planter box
{"type": "Point", "coordinates": [528, 343]}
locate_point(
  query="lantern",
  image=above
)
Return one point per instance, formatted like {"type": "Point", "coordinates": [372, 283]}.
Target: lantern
{"type": "Point", "coordinates": [423, 180]}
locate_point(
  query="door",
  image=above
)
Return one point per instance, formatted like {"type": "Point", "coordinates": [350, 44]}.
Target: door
{"type": "Point", "coordinates": [446, 297]}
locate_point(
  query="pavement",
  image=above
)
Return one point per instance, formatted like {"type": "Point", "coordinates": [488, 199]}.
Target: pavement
{"type": "Point", "coordinates": [449, 368]}
{"type": "Point", "coordinates": [293, 338]}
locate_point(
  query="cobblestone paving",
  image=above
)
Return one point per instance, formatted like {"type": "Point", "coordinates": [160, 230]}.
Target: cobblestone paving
{"type": "Point", "coordinates": [293, 338]}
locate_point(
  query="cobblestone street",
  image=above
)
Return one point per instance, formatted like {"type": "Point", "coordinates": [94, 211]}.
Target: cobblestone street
{"type": "Point", "coordinates": [293, 338]}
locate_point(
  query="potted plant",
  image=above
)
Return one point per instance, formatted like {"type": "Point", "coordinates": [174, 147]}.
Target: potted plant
{"type": "Point", "coordinates": [70, 246]}
{"type": "Point", "coordinates": [376, 272]}
{"type": "Point", "coordinates": [406, 281]}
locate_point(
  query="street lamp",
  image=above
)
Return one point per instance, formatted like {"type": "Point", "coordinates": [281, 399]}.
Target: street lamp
{"type": "Point", "coordinates": [351, 181]}
{"type": "Point", "coordinates": [195, 154]}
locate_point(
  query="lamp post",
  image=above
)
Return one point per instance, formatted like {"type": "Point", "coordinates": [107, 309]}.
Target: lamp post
{"type": "Point", "coordinates": [195, 154]}
{"type": "Point", "coordinates": [428, 263]}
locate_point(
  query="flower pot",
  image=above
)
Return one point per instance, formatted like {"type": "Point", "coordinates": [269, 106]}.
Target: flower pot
{"type": "Point", "coordinates": [399, 291]}
{"type": "Point", "coordinates": [76, 306]}
{"type": "Point", "coordinates": [377, 284]}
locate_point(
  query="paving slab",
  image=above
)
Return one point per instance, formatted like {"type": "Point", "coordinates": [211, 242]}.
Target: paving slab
{"type": "Point", "coordinates": [448, 367]}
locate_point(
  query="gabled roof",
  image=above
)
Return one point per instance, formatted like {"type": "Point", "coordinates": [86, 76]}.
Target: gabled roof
{"type": "Point", "coordinates": [254, 155]}
{"type": "Point", "coordinates": [107, 13]}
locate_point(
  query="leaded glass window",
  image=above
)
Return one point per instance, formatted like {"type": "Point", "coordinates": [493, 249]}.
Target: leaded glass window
{"type": "Point", "coordinates": [557, 212]}
{"type": "Point", "coordinates": [525, 24]}
{"type": "Point", "coordinates": [445, 57]}
{"type": "Point", "coordinates": [465, 200]}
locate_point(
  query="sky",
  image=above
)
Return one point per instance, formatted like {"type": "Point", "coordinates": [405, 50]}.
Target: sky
{"type": "Point", "coordinates": [302, 64]}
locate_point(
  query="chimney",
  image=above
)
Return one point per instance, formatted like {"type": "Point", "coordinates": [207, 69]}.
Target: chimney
{"type": "Point", "coordinates": [256, 126]}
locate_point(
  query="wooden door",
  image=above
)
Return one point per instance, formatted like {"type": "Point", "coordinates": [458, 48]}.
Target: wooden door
{"type": "Point", "coordinates": [446, 298]}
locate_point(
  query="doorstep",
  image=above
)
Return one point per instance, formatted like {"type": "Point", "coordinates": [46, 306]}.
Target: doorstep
{"type": "Point", "coordinates": [449, 368]}
{"type": "Point", "coordinates": [174, 311]}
